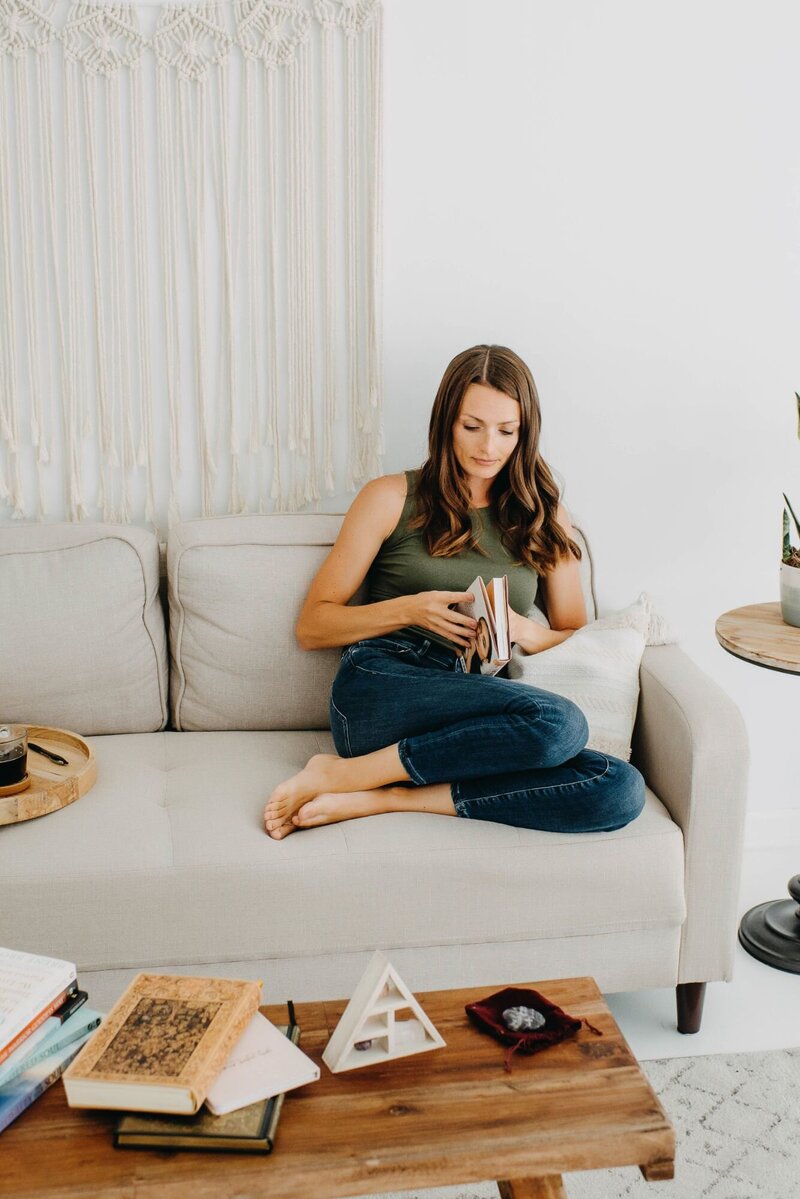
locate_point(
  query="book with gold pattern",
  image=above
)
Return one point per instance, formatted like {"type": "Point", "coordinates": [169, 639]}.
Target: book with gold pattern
{"type": "Point", "coordinates": [162, 1044]}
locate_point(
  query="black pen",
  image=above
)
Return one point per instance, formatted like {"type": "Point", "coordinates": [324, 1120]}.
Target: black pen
{"type": "Point", "coordinates": [46, 753]}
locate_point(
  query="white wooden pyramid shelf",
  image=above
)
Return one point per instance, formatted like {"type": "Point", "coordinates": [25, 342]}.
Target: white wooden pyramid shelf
{"type": "Point", "coordinates": [378, 1012]}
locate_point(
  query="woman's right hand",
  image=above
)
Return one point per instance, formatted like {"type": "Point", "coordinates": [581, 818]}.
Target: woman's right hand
{"type": "Point", "coordinates": [431, 610]}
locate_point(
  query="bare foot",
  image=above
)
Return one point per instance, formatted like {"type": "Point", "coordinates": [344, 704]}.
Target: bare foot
{"type": "Point", "coordinates": [329, 808]}
{"type": "Point", "coordinates": [315, 777]}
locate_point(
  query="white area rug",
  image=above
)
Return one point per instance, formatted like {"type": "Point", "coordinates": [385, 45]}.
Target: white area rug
{"type": "Point", "coordinates": [738, 1134]}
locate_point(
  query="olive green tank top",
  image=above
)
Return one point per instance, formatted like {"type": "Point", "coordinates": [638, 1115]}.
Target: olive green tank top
{"type": "Point", "coordinates": [403, 565]}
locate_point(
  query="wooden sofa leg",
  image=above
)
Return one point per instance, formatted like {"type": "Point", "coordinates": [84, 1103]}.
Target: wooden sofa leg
{"type": "Point", "coordinates": [690, 998]}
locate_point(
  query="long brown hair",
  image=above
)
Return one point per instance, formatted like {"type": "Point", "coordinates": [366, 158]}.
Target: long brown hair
{"type": "Point", "coordinates": [524, 496]}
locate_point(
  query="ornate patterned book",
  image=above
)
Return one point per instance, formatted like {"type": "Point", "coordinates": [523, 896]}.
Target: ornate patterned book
{"type": "Point", "coordinates": [162, 1044]}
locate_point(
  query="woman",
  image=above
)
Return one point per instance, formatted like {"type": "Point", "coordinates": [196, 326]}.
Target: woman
{"type": "Point", "coordinates": [413, 731]}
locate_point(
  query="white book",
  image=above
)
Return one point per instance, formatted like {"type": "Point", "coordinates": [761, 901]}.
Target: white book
{"type": "Point", "coordinates": [262, 1063]}
{"type": "Point", "coordinates": [28, 983]}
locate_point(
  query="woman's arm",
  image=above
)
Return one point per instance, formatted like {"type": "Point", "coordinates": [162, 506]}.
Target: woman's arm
{"type": "Point", "coordinates": [326, 620]}
{"type": "Point", "coordinates": [566, 609]}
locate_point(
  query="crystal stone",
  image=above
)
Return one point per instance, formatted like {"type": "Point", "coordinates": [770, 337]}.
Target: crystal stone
{"type": "Point", "coordinates": [522, 1019]}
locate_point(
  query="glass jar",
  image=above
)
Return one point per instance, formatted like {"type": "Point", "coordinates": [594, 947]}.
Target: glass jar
{"type": "Point", "coordinates": [13, 754]}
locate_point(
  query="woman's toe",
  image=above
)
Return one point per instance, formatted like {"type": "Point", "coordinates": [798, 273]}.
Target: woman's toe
{"type": "Point", "coordinates": [307, 815]}
{"type": "Point", "coordinates": [281, 830]}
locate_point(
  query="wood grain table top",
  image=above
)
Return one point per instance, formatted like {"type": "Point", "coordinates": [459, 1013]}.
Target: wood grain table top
{"type": "Point", "coordinates": [758, 634]}
{"type": "Point", "coordinates": [448, 1116]}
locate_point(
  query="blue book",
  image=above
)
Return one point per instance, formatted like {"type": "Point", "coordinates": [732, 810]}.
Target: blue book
{"type": "Point", "coordinates": [83, 1021]}
{"type": "Point", "coordinates": [27, 1087]}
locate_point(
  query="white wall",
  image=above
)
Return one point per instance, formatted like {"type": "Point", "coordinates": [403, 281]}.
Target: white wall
{"type": "Point", "coordinates": [613, 190]}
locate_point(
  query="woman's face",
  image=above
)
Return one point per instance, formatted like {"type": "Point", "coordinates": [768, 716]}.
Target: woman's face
{"type": "Point", "coordinates": [486, 431]}
{"type": "Point", "coordinates": [484, 643]}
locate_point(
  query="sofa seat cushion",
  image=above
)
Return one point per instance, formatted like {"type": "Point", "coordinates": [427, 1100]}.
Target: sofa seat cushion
{"type": "Point", "coordinates": [165, 861]}
{"type": "Point", "coordinates": [85, 647]}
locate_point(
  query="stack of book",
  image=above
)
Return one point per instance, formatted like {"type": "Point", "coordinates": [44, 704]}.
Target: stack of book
{"type": "Point", "coordinates": [44, 1023]}
{"type": "Point", "coordinates": [172, 1044]}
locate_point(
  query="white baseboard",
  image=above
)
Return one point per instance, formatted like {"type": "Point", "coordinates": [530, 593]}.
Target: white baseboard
{"type": "Point", "coordinates": [772, 830]}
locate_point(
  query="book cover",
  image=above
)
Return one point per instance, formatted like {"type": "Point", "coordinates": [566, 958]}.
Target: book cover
{"type": "Point", "coordinates": [26, 1089]}
{"type": "Point", "coordinates": [490, 649]}
{"type": "Point", "coordinates": [250, 1129]}
{"type": "Point", "coordinates": [41, 1018]}
{"type": "Point", "coordinates": [27, 1041]}
{"type": "Point", "coordinates": [162, 1044]}
{"type": "Point", "coordinates": [47, 1040]}
{"type": "Point", "coordinates": [263, 1063]}
{"type": "Point", "coordinates": [29, 984]}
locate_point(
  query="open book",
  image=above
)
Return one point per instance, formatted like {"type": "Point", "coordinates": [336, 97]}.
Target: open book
{"type": "Point", "coordinates": [490, 649]}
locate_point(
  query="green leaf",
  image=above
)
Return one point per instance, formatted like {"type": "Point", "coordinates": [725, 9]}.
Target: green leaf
{"type": "Point", "coordinates": [791, 509]}
{"type": "Point", "coordinates": [787, 541]}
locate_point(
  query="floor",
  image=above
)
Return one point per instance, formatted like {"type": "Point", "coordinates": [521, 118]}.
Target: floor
{"type": "Point", "coordinates": [757, 1010]}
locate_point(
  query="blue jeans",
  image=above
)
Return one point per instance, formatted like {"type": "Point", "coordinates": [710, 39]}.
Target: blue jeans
{"type": "Point", "coordinates": [511, 753]}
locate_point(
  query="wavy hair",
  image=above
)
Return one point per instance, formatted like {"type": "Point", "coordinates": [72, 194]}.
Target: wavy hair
{"type": "Point", "coordinates": [523, 497]}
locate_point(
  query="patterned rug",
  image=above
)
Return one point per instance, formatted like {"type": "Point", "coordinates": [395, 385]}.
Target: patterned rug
{"type": "Point", "coordinates": [738, 1134]}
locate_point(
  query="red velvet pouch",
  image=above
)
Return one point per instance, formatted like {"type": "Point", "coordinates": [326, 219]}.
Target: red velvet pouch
{"type": "Point", "coordinates": [487, 1015]}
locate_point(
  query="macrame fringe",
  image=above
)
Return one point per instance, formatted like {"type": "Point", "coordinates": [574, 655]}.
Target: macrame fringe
{"type": "Point", "coordinates": [74, 504]}
{"type": "Point", "coordinates": [77, 341]}
{"type": "Point", "coordinates": [330, 389]}
{"type": "Point", "coordinates": [146, 450]}
{"type": "Point", "coordinates": [10, 482]}
{"type": "Point", "coordinates": [166, 157]}
{"type": "Point", "coordinates": [273, 431]}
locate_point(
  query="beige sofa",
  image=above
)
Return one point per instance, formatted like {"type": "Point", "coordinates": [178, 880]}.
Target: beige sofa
{"type": "Point", "coordinates": [194, 719]}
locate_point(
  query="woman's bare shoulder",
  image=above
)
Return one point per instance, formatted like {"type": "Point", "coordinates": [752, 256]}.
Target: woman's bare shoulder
{"type": "Point", "coordinates": [381, 500]}
{"type": "Point", "coordinates": [389, 485]}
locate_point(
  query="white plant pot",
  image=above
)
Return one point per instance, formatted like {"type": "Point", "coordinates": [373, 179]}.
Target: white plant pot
{"type": "Point", "coordinates": [790, 594]}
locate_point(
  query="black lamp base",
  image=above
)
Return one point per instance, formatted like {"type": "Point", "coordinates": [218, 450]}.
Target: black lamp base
{"type": "Point", "coordinates": [770, 932]}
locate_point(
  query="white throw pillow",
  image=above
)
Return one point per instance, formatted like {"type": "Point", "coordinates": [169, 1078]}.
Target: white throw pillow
{"type": "Point", "coordinates": [598, 669]}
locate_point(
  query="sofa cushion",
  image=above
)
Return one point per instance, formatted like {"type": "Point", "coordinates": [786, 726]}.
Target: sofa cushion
{"type": "Point", "coordinates": [165, 861]}
{"type": "Point", "coordinates": [85, 646]}
{"type": "Point", "coordinates": [236, 586]}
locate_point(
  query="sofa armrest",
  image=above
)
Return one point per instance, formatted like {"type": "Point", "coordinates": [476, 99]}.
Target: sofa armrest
{"type": "Point", "coordinates": [690, 743]}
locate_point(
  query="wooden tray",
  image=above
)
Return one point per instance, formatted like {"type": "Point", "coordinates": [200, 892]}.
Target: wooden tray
{"type": "Point", "coordinates": [52, 787]}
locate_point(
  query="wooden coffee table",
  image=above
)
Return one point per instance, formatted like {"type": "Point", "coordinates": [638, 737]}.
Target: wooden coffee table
{"type": "Point", "coordinates": [439, 1118]}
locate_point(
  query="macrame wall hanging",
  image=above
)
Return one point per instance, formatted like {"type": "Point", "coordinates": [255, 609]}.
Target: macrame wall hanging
{"type": "Point", "coordinates": [190, 256]}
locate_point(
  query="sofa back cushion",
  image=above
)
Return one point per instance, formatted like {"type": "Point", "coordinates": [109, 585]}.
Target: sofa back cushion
{"type": "Point", "coordinates": [236, 586]}
{"type": "Point", "coordinates": [84, 644]}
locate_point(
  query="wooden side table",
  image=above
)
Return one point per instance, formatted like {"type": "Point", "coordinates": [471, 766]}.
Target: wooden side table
{"type": "Point", "coordinates": [756, 633]}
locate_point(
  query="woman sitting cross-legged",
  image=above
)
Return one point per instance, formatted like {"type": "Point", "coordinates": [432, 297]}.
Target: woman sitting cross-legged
{"type": "Point", "coordinates": [413, 731]}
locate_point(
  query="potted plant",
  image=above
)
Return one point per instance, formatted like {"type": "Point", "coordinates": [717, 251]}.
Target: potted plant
{"type": "Point", "coordinates": [790, 558]}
